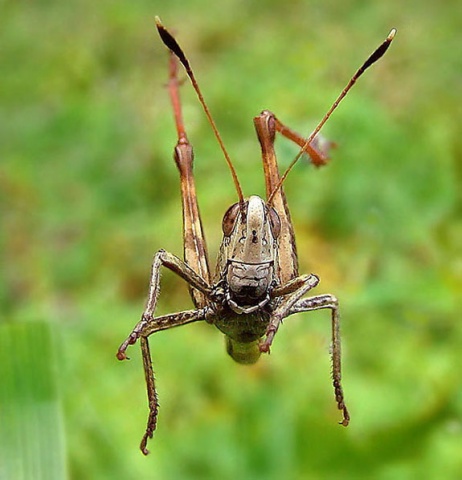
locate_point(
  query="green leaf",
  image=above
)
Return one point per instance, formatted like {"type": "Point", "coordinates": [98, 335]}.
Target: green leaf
{"type": "Point", "coordinates": [32, 435]}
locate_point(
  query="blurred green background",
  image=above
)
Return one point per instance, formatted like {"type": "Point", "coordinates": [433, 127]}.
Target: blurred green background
{"type": "Point", "coordinates": [89, 192]}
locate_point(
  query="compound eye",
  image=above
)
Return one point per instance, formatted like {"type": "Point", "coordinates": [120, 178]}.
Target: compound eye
{"type": "Point", "coordinates": [229, 219]}
{"type": "Point", "coordinates": [275, 222]}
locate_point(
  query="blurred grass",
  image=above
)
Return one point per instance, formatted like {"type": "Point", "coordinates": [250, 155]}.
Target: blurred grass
{"type": "Point", "coordinates": [89, 192]}
{"type": "Point", "coordinates": [32, 438]}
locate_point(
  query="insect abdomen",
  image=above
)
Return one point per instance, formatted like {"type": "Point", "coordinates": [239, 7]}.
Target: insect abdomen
{"type": "Point", "coordinates": [245, 353]}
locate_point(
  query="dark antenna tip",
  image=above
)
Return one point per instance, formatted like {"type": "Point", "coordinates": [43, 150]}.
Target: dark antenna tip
{"type": "Point", "coordinates": [174, 47]}
{"type": "Point", "coordinates": [376, 55]}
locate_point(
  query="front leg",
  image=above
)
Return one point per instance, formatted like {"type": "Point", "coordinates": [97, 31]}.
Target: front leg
{"type": "Point", "coordinates": [149, 325]}
{"type": "Point", "coordinates": [173, 263]}
{"type": "Point", "coordinates": [290, 293]}
{"type": "Point", "coordinates": [329, 301]}
{"type": "Point", "coordinates": [144, 330]}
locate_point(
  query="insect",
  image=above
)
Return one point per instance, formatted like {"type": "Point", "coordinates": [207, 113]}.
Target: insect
{"type": "Point", "coordinates": [256, 283]}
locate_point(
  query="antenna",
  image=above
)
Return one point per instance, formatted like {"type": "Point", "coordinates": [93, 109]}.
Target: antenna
{"type": "Point", "coordinates": [172, 44]}
{"type": "Point", "coordinates": [376, 55]}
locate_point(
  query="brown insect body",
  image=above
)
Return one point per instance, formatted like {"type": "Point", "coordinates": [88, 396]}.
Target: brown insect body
{"type": "Point", "coordinates": [256, 283]}
{"type": "Point", "coordinates": [247, 268]}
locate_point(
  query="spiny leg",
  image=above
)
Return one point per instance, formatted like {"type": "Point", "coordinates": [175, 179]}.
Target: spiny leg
{"type": "Point", "coordinates": [173, 263]}
{"type": "Point", "coordinates": [152, 394]}
{"type": "Point", "coordinates": [149, 325]}
{"type": "Point", "coordinates": [329, 301]}
{"type": "Point", "coordinates": [156, 324]}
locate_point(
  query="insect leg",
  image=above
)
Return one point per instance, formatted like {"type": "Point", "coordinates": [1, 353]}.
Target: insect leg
{"type": "Point", "coordinates": [317, 150]}
{"type": "Point", "coordinates": [287, 267]}
{"type": "Point", "coordinates": [147, 328]}
{"type": "Point", "coordinates": [148, 325]}
{"type": "Point", "coordinates": [290, 294]}
{"type": "Point", "coordinates": [173, 263]}
{"type": "Point", "coordinates": [152, 395]}
{"type": "Point", "coordinates": [195, 248]}
{"type": "Point", "coordinates": [329, 301]}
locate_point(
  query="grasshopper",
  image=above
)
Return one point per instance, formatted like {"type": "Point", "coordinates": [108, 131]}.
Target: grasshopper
{"type": "Point", "coordinates": [256, 283]}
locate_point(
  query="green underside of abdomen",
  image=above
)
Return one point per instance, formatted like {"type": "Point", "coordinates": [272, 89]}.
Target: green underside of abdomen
{"type": "Point", "coordinates": [246, 353]}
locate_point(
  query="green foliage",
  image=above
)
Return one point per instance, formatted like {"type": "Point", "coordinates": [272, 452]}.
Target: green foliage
{"type": "Point", "coordinates": [32, 437]}
{"type": "Point", "coordinates": [89, 192]}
